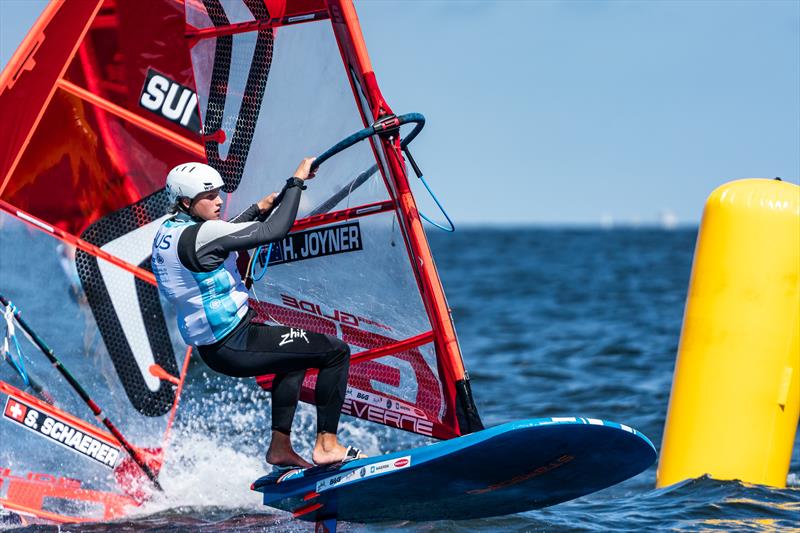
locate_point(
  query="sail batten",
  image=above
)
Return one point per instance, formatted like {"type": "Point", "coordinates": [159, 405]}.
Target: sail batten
{"type": "Point", "coordinates": [195, 34]}
{"type": "Point", "coordinates": [191, 147]}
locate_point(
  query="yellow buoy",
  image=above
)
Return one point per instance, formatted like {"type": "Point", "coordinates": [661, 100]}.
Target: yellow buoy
{"type": "Point", "coordinates": [735, 398]}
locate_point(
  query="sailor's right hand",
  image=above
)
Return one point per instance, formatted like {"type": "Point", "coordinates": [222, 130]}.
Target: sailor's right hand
{"type": "Point", "coordinates": [266, 203]}
{"type": "Point", "coordinates": [303, 171]}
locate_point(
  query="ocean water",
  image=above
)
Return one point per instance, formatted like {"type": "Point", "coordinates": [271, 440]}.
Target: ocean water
{"type": "Point", "coordinates": [552, 322]}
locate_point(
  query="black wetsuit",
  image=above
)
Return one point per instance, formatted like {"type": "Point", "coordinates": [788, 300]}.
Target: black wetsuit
{"type": "Point", "coordinates": [254, 349]}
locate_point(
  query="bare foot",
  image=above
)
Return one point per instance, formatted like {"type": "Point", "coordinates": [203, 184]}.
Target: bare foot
{"type": "Point", "coordinates": [327, 450]}
{"type": "Point", "coordinates": [287, 459]}
{"type": "Point", "coordinates": [281, 453]}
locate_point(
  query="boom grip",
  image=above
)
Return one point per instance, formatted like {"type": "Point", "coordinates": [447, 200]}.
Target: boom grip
{"type": "Point", "coordinates": [382, 126]}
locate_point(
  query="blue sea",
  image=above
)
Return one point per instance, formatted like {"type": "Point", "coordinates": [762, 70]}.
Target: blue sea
{"type": "Point", "coordinates": [552, 322]}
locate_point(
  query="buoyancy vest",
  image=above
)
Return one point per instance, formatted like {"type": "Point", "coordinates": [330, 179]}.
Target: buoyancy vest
{"type": "Point", "coordinates": [209, 305]}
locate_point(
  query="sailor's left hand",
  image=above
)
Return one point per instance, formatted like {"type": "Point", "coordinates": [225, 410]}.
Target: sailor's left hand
{"type": "Point", "coordinates": [266, 203]}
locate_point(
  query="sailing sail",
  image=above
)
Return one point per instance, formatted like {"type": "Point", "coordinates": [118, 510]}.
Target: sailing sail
{"type": "Point", "coordinates": [98, 103]}
{"type": "Point", "coordinates": [278, 81]}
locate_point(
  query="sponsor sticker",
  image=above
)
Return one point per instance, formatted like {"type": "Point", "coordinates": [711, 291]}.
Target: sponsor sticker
{"type": "Point", "coordinates": [170, 100]}
{"type": "Point", "coordinates": [318, 242]}
{"type": "Point", "coordinates": [386, 403]}
{"type": "Point", "coordinates": [60, 431]}
{"type": "Point", "coordinates": [375, 469]}
{"type": "Point", "coordinates": [375, 413]}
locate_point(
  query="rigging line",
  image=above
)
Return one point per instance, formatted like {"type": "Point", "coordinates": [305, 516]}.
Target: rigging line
{"type": "Point", "coordinates": [452, 227]}
{"type": "Point", "coordinates": [266, 262]}
{"type": "Point", "coordinates": [96, 410]}
{"type": "Point", "coordinates": [345, 191]}
{"type": "Point", "coordinates": [19, 366]}
{"type": "Point", "coordinates": [421, 177]}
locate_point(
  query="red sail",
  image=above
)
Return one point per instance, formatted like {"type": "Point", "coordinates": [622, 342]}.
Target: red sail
{"type": "Point", "coordinates": [86, 149]}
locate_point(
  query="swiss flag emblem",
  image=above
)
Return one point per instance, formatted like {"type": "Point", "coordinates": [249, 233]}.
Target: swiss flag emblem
{"type": "Point", "coordinates": [16, 410]}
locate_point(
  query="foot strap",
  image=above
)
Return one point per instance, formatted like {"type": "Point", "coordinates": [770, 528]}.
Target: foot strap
{"type": "Point", "coordinates": [282, 473]}
{"type": "Point", "coordinates": [351, 454]}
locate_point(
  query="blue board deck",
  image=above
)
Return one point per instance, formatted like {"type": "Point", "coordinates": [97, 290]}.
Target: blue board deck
{"type": "Point", "coordinates": [507, 469]}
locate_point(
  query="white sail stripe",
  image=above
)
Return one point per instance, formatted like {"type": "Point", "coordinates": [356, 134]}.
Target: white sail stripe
{"type": "Point", "coordinates": [369, 209]}
{"type": "Point", "coordinates": [35, 222]}
{"type": "Point", "coordinates": [300, 18]}
{"type": "Point", "coordinates": [133, 248]}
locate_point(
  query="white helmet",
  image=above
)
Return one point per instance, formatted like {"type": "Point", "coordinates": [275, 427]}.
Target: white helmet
{"type": "Point", "coordinates": [190, 179]}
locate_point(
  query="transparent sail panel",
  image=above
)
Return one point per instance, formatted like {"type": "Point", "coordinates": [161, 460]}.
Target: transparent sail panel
{"type": "Point", "coordinates": [56, 457]}
{"type": "Point", "coordinates": [59, 312]}
{"type": "Point", "coordinates": [307, 106]}
{"type": "Point", "coordinates": [364, 273]}
{"type": "Point", "coordinates": [268, 98]}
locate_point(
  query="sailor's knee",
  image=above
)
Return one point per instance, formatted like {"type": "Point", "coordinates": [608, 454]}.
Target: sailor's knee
{"type": "Point", "coordinates": [340, 353]}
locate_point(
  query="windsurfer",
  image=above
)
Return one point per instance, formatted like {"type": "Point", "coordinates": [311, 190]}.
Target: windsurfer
{"type": "Point", "coordinates": [196, 270]}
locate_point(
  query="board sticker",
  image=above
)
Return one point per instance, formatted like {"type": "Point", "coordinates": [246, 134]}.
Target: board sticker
{"type": "Point", "coordinates": [375, 469]}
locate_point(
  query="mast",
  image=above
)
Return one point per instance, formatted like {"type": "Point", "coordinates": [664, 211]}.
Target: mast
{"type": "Point", "coordinates": [356, 60]}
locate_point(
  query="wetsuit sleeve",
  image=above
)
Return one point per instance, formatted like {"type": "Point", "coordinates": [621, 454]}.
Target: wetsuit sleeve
{"type": "Point", "coordinates": [205, 246]}
{"type": "Point", "coordinates": [250, 214]}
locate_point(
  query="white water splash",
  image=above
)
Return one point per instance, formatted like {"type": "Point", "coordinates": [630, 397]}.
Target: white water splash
{"type": "Point", "coordinates": [218, 450]}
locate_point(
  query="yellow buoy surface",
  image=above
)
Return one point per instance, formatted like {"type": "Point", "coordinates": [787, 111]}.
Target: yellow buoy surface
{"type": "Point", "coordinates": [735, 398]}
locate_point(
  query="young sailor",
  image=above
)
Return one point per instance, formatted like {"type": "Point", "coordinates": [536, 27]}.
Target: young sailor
{"type": "Point", "coordinates": [194, 262]}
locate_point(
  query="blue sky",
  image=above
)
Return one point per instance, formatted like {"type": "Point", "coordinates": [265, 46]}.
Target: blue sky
{"type": "Point", "coordinates": [569, 112]}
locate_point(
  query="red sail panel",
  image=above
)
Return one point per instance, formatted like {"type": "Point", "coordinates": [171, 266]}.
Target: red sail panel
{"type": "Point", "coordinates": [98, 103]}
{"type": "Point", "coordinates": [29, 80]}
{"type": "Point", "coordinates": [105, 138]}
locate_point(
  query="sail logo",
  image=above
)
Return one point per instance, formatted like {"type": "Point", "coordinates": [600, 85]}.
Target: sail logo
{"type": "Point", "coordinates": [336, 315]}
{"type": "Point", "coordinates": [380, 401]}
{"type": "Point", "coordinates": [380, 415]}
{"type": "Point", "coordinates": [314, 243]}
{"type": "Point", "coordinates": [170, 100]}
{"type": "Point", "coordinates": [40, 477]}
{"type": "Point", "coordinates": [62, 432]}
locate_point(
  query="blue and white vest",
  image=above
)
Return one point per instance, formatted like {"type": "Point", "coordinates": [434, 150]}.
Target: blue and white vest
{"type": "Point", "coordinates": [209, 304]}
